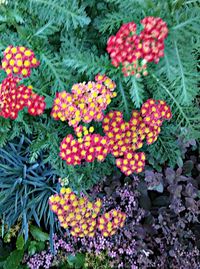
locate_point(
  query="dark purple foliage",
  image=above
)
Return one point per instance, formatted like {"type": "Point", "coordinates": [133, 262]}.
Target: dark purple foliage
{"type": "Point", "coordinates": [162, 229]}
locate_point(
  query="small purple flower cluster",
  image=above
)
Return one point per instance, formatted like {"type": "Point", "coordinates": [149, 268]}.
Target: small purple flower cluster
{"type": "Point", "coordinates": [40, 260]}
{"type": "Point", "coordinates": [163, 235]}
{"type": "Point", "coordinates": [121, 248]}
{"type": "Point", "coordinates": [45, 258]}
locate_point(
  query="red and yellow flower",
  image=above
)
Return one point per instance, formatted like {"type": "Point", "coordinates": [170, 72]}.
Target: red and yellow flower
{"type": "Point", "coordinates": [19, 61]}
{"type": "Point", "coordinates": [87, 148]}
{"type": "Point", "coordinates": [81, 216]}
{"type": "Point", "coordinates": [154, 113]}
{"type": "Point", "coordinates": [127, 137]}
{"type": "Point", "coordinates": [132, 52]}
{"type": "Point", "coordinates": [110, 222]}
{"type": "Point", "coordinates": [14, 97]}
{"type": "Point", "coordinates": [86, 102]}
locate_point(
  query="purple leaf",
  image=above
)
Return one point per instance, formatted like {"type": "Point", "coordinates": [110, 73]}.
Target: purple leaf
{"type": "Point", "coordinates": [170, 175]}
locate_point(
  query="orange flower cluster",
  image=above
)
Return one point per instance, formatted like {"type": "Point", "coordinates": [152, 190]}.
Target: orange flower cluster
{"type": "Point", "coordinates": [109, 222]}
{"type": "Point", "coordinates": [88, 148]}
{"type": "Point", "coordinates": [81, 216]}
{"type": "Point", "coordinates": [86, 102]}
{"type": "Point", "coordinates": [19, 61]}
{"type": "Point", "coordinates": [14, 98]}
{"type": "Point", "coordinates": [153, 113]}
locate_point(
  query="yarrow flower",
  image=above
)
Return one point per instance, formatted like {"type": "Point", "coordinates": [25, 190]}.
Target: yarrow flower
{"type": "Point", "coordinates": [121, 139]}
{"type": "Point", "coordinates": [122, 135]}
{"type": "Point", "coordinates": [109, 222]}
{"type": "Point", "coordinates": [14, 97]}
{"type": "Point", "coordinates": [87, 148]}
{"type": "Point", "coordinates": [153, 113]}
{"type": "Point", "coordinates": [126, 137]}
{"type": "Point", "coordinates": [132, 52]}
{"type": "Point", "coordinates": [132, 162]}
{"type": "Point", "coordinates": [19, 61]}
{"type": "Point", "coordinates": [86, 101]}
{"type": "Point", "coordinates": [81, 216]}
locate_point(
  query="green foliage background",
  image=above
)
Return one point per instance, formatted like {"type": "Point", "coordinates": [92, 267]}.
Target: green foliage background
{"type": "Point", "coordinates": [69, 38]}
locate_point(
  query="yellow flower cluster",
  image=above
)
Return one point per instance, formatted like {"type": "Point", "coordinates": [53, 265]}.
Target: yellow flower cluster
{"type": "Point", "coordinates": [81, 216]}
{"type": "Point", "coordinates": [78, 214]}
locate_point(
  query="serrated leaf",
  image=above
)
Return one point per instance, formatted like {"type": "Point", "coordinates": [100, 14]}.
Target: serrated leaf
{"type": "Point", "coordinates": [66, 12]}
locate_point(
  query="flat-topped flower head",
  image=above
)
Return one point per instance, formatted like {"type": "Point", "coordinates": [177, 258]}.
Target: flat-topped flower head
{"type": "Point", "coordinates": [81, 216]}
{"type": "Point", "coordinates": [123, 135]}
{"type": "Point", "coordinates": [131, 52]}
{"type": "Point", "coordinates": [19, 61]}
{"type": "Point", "coordinates": [110, 222]}
{"type": "Point", "coordinates": [15, 97]}
{"type": "Point", "coordinates": [86, 102]}
{"type": "Point", "coordinates": [77, 214]}
{"type": "Point", "coordinates": [121, 139]}
{"type": "Point", "coordinates": [87, 147]}
{"type": "Point", "coordinates": [127, 137]}
{"type": "Point", "coordinates": [132, 162]}
{"type": "Point", "coordinates": [36, 104]}
{"type": "Point", "coordinates": [154, 112]}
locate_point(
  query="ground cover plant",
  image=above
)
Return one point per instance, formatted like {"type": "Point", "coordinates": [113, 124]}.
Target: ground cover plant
{"type": "Point", "coordinates": [99, 134]}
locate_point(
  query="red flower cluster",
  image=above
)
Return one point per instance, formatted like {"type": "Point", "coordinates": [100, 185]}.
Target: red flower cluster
{"type": "Point", "coordinates": [81, 216]}
{"type": "Point", "coordinates": [122, 135]}
{"type": "Point", "coordinates": [153, 35]}
{"type": "Point", "coordinates": [86, 102]}
{"type": "Point", "coordinates": [88, 148]}
{"type": "Point", "coordinates": [36, 104]}
{"type": "Point", "coordinates": [153, 113]}
{"type": "Point", "coordinates": [121, 138]}
{"type": "Point", "coordinates": [14, 98]}
{"type": "Point", "coordinates": [132, 51]}
{"type": "Point", "coordinates": [132, 162]}
{"type": "Point", "coordinates": [110, 222]}
{"type": "Point", "coordinates": [19, 61]}
{"type": "Point", "coordinates": [124, 140]}
{"type": "Point", "coordinates": [126, 137]}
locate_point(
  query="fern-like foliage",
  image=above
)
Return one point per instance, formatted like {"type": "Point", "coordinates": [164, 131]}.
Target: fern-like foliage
{"type": "Point", "coordinates": [45, 30]}
{"type": "Point", "coordinates": [183, 116]}
{"type": "Point", "coordinates": [52, 67]}
{"type": "Point", "coordinates": [88, 63]}
{"type": "Point", "coordinates": [69, 38]}
{"type": "Point", "coordinates": [164, 151]}
{"type": "Point", "coordinates": [66, 12]}
{"type": "Point", "coordinates": [136, 89]}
